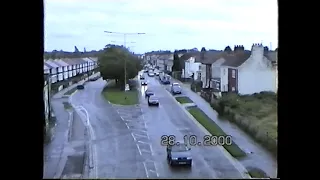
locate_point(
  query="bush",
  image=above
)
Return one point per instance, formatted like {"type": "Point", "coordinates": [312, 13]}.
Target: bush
{"type": "Point", "coordinates": [255, 114]}
{"type": "Point", "coordinates": [196, 86]}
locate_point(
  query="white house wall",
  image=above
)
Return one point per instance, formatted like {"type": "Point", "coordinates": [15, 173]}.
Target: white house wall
{"type": "Point", "coordinates": [45, 98]}
{"type": "Point", "coordinates": [255, 81]}
{"type": "Point", "coordinates": [224, 79]}
{"type": "Point", "coordinates": [256, 75]}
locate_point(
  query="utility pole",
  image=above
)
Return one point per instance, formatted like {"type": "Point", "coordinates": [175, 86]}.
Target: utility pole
{"type": "Point", "coordinates": [124, 44]}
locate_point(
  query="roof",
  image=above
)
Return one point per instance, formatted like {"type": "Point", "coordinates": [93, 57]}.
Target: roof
{"type": "Point", "coordinates": [211, 57]}
{"type": "Point", "coordinates": [52, 64]}
{"type": "Point", "coordinates": [93, 58]}
{"type": "Point", "coordinates": [48, 65]}
{"type": "Point", "coordinates": [272, 56]}
{"type": "Point", "coordinates": [57, 63]}
{"type": "Point", "coordinates": [235, 59]}
{"type": "Point", "coordinates": [69, 61]}
{"type": "Point", "coordinates": [62, 63]}
{"type": "Point", "coordinates": [45, 67]}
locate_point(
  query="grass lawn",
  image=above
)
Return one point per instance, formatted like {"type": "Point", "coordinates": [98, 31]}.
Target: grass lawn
{"type": "Point", "coordinates": [214, 129]}
{"type": "Point", "coordinates": [71, 91]}
{"type": "Point", "coordinates": [184, 100]}
{"type": "Point", "coordinates": [116, 96]}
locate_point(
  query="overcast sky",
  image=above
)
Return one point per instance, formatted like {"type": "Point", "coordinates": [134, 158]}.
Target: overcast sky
{"type": "Point", "coordinates": [168, 24]}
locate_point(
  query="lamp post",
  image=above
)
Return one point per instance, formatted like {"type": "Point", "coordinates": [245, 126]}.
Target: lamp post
{"type": "Point", "coordinates": [124, 44]}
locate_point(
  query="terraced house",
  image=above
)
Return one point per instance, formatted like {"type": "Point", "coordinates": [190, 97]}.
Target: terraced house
{"type": "Point", "coordinates": [241, 71]}
{"type": "Point", "coordinates": [46, 98]}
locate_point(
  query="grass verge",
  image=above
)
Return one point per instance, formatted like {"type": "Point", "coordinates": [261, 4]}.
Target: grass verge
{"type": "Point", "coordinates": [257, 173]}
{"type": "Point", "coordinates": [183, 100]}
{"type": "Point", "coordinates": [67, 105]}
{"type": "Point", "coordinates": [214, 129]}
{"type": "Point", "coordinates": [115, 95]}
{"type": "Point", "coordinates": [71, 91]}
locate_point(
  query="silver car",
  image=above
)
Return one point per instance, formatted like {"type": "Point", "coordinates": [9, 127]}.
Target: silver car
{"type": "Point", "coordinates": [153, 101]}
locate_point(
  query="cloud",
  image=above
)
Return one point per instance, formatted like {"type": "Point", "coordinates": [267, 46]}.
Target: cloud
{"type": "Point", "coordinates": [168, 24]}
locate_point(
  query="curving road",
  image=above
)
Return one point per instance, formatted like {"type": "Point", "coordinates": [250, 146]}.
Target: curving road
{"type": "Point", "coordinates": [126, 139]}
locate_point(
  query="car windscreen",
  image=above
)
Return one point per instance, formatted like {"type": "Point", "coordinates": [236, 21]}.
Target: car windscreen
{"type": "Point", "coordinates": [153, 98]}
{"type": "Point", "coordinates": [176, 88]}
{"type": "Point", "coordinates": [179, 148]}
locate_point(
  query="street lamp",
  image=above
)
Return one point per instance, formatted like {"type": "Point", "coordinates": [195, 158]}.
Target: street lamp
{"type": "Point", "coordinates": [124, 44]}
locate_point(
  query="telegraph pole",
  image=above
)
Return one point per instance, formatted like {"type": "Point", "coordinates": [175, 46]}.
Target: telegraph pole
{"type": "Point", "coordinates": [124, 44]}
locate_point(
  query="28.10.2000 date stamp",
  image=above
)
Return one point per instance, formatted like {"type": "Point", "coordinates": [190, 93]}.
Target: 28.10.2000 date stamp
{"type": "Point", "coordinates": [193, 140]}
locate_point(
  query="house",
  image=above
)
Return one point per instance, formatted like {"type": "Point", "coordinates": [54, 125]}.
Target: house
{"type": "Point", "coordinates": [59, 70]}
{"type": "Point", "coordinates": [94, 63]}
{"type": "Point", "coordinates": [192, 65]}
{"type": "Point", "coordinates": [46, 97]}
{"type": "Point", "coordinates": [164, 62]}
{"type": "Point", "coordinates": [64, 66]}
{"type": "Point", "coordinates": [54, 70]}
{"type": "Point", "coordinates": [46, 69]}
{"type": "Point", "coordinates": [241, 71]}
{"type": "Point", "coordinates": [72, 66]}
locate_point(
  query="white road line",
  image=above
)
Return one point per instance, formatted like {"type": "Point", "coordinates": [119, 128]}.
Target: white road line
{"type": "Point", "coordinates": [133, 137]}
{"type": "Point", "coordinates": [145, 168]}
{"type": "Point", "coordinates": [142, 142]}
{"type": "Point", "coordinates": [144, 136]}
{"type": "Point", "coordinates": [139, 149]}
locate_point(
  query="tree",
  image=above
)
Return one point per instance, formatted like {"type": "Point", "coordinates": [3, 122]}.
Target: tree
{"type": "Point", "coordinates": [203, 49]}
{"type": "Point", "coordinates": [112, 63]}
{"type": "Point", "coordinates": [176, 62]}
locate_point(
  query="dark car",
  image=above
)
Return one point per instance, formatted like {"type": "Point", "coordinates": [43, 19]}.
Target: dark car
{"type": "Point", "coordinates": [149, 93]}
{"type": "Point", "coordinates": [80, 87]}
{"type": "Point", "coordinates": [175, 89]}
{"type": "Point", "coordinates": [153, 101]}
{"type": "Point", "coordinates": [141, 77]}
{"type": "Point", "coordinates": [179, 154]}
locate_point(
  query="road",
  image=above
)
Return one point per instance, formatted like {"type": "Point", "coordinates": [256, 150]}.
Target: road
{"type": "Point", "coordinates": [126, 139]}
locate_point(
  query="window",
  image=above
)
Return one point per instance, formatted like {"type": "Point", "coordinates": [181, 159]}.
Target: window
{"type": "Point", "coordinates": [233, 73]}
{"type": "Point", "coordinates": [224, 71]}
{"type": "Point", "coordinates": [233, 89]}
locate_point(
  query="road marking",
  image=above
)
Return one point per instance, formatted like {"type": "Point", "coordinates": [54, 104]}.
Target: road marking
{"type": "Point", "coordinates": [139, 149]}
{"type": "Point", "coordinates": [145, 168]}
{"type": "Point", "coordinates": [239, 167]}
{"type": "Point", "coordinates": [133, 137]}
{"type": "Point", "coordinates": [141, 135]}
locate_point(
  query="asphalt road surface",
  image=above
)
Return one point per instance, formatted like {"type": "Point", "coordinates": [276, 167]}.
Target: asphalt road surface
{"type": "Point", "coordinates": [126, 139]}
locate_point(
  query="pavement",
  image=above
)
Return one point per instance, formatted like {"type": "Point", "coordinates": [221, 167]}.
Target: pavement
{"type": "Point", "coordinates": [125, 140]}
{"type": "Point", "coordinates": [257, 155]}
{"type": "Point", "coordinates": [65, 155]}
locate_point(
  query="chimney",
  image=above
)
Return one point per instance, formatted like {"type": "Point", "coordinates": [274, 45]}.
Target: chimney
{"type": "Point", "coordinates": [265, 50]}
{"type": "Point", "coordinates": [239, 49]}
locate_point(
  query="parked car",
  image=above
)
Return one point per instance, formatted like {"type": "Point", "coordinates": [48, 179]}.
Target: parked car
{"type": "Point", "coordinates": [179, 154]}
{"type": "Point", "coordinates": [153, 101]}
{"type": "Point", "coordinates": [144, 83]}
{"type": "Point", "coordinates": [176, 89]}
{"type": "Point", "coordinates": [148, 93]}
{"type": "Point", "coordinates": [80, 87]}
